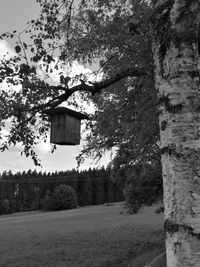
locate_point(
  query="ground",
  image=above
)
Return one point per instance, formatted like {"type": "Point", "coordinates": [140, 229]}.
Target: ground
{"type": "Point", "coordinates": [97, 236]}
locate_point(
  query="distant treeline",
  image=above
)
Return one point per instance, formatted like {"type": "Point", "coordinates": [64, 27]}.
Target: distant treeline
{"type": "Point", "coordinates": [26, 191]}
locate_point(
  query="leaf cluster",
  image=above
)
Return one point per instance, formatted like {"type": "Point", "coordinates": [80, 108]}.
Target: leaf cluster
{"type": "Point", "coordinates": [90, 32]}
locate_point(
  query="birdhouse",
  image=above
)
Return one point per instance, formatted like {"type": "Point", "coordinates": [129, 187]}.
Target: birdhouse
{"type": "Point", "coordinates": [65, 126]}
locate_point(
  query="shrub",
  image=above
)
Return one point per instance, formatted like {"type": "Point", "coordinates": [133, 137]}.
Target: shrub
{"type": "Point", "coordinates": [137, 196]}
{"type": "Point", "coordinates": [64, 197]}
{"type": "Point", "coordinates": [143, 187]}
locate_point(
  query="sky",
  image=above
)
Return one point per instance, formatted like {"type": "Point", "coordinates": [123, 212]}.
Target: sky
{"type": "Point", "coordinates": [14, 14]}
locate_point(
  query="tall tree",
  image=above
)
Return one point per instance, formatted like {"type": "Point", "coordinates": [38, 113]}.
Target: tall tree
{"type": "Point", "coordinates": [176, 53]}
{"type": "Point", "coordinates": [87, 31]}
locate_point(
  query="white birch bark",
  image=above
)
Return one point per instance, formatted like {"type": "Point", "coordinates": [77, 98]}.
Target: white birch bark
{"type": "Point", "coordinates": [177, 79]}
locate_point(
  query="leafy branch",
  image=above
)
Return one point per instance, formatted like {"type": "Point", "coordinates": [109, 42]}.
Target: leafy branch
{"type": "Point", "coordinates": [92, 88]}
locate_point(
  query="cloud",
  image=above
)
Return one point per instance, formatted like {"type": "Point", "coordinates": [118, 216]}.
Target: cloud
{"type": "Point", "coordinates": [44, 147]}
{"type": "Point", "coordinates": [6, 50]}
{"type": "Point", "coordinates": [68, 70]}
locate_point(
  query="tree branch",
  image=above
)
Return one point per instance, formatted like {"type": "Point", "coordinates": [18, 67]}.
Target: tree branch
{"type": "Point", "coordinates": [92, 88]}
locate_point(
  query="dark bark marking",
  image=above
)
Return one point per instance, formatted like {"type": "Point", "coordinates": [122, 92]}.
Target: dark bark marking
{"type": "Point", "coordinates": [163, 125]}
{"type": "Point", "coordinates": [171, 151]}
{"type": "Point", "coordinates": [171, 227]}
{"type": "Point", "coordinates": [165, 100]}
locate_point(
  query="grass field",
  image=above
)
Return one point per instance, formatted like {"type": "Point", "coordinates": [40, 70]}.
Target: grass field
{"type": "Point", "coordinates": [96, 236]}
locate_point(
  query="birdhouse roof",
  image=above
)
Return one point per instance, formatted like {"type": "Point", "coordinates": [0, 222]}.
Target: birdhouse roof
{"type": "Point", "coordinates": [63, 110]}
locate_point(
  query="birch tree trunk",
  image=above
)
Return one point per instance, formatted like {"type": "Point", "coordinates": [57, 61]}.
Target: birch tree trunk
{"type": "Point", "coordinates": [176, 54]}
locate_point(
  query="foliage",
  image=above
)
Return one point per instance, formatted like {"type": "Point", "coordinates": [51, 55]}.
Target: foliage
{"type": "Point", "coordinates": [85, 192]}
{"type": "Point", "coordinates": [4, 206]}
{"type": "Point", "coordinates": [143, 186]}
{"type": "Point", "coordinates": [125, 113]}
{"type": "Point", "coordinates": [46, 201]}
{"type": "Point", "coordinates": [12, 205]}
{"type": "Point", "coordinates": [35, 205]}
{"type": "Point", "coordinates": [64, 197]}
{"type": "Point", "coordinates": [32, 191]}
{"type": "Point", "coordinates": [87, 32]}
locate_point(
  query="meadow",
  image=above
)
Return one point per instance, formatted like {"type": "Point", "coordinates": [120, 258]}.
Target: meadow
{"type": "Point", "coordinates": [97, 236]}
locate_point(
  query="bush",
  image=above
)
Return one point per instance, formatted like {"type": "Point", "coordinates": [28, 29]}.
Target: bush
{"type": "Point", "coordinates": [64, 197]}
{"type": "Point", "coordinates": [137, 196]}
{"type": "Point", "coordinates": [143, 187]}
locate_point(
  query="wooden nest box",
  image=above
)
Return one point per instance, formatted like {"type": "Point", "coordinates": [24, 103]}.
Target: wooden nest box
{"type": "Point", "coordinates": [65, 126]}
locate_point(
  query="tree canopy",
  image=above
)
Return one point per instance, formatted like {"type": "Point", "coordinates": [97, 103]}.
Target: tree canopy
{"type": "Point", "coordinates": [111, 37]}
